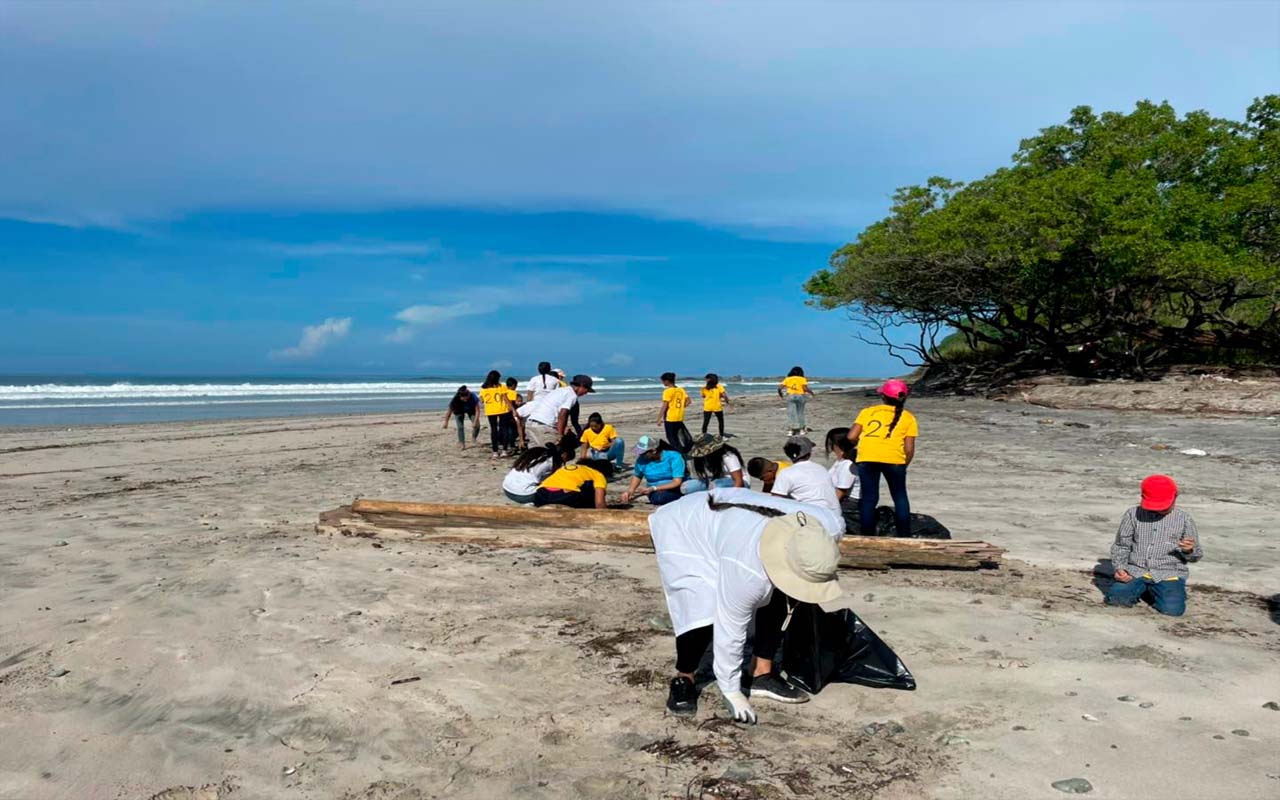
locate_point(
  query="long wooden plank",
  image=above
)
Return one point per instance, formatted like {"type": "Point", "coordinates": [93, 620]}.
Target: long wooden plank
{"type": "Point", "coordinates": [857, 552]}
{"type": "Point", "coordinates": [508, 514]}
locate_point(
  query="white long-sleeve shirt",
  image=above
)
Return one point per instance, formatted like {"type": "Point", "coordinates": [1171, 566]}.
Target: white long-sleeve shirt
{"type": "Point", "coordinates": [711, 569]}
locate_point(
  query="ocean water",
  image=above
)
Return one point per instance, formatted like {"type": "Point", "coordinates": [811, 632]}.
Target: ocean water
{"type": "Point", "coordinates": [67, 401]}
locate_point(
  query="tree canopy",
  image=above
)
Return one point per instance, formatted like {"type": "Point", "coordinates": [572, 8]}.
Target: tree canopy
{"type": "Point", "coordinates": [1113, 243]}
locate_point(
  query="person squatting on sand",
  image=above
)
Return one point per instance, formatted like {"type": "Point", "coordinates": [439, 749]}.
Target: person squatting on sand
{"type": "Point", "coordinates": [547, 417]}
{"type": "Point", "coordinates": [724, 558]}
{"type": "Point", "coordinates": [533, 466]}
{"type": "Point", "coordinates": [601, 442]}
{"type": "Point", "coordinates": [671, 415]}
{"type": "Point", "coordinates": [715, 463]}
{"type": "Point", "coordinates": [805, 481]}
{"type": "Point", "coordinates": [464, 404]}
{"type": "Point", "coordinates": [885, 437]}
{"type": "Point", "coordinates": [766, 471]}
{"type": "Point", "coordinates": [844, 475]}
{"type": "Point", "coordinates": [500, 413]}
{"type": "Point", "coordinates": [1153, 545]}
{"type": "Point", "coordinates": [795, 389]}
{"type": "Point", "coordinates": [580, 485]}
{"type": "Point", "coordinates": [714, 399]}
{"type": "Point", "coordinates": [660, 467]}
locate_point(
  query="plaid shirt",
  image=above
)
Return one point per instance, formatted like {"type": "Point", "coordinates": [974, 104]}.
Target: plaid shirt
{"type": "Point", "coordinates": [1147, 544]}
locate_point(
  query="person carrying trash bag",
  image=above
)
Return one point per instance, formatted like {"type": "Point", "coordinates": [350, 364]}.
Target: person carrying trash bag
{"type": "Point", "coordinates": [723, 556]}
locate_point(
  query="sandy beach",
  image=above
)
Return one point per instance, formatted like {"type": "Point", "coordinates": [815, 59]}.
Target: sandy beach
{"type": "Point", "coordinates": [171, 626]}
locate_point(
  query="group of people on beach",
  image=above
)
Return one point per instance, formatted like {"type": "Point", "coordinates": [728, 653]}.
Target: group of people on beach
{"type": "Point", "coordinates": [734, 557]}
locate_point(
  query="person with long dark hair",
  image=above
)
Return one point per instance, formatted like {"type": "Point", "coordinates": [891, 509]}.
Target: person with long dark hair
{"type": "Point", "coordinates": [545, 381]}
{"type": "Point", "coordinates": [885, 436]}
{"type": "Point", "coordinates": [728, 558]}
{"type": "Point", "coordinates": [497, 408]}
{"type": "Point", "coordinates": [671, 415]}
{"type": "Point", "coordinates": [844, 475]}
{"type": "Point", "coordinates": [661, 467]}
{"type": "Point", "coordinates": [715, 463]}
{"type": "Point", "coordinates": [463, 404]}
{"type": "Point", "coordinates": [795, 389]}
{"type": "Point", "coordinates": [533, 466]}
{"type": "Point", "coordinates": [714, 399]}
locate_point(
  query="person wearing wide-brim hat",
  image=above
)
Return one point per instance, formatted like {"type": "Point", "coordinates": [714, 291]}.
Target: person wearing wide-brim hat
{"type": "Point", "coordinates": [725, 555]}
{"type": "Point", "coordinates": [715, 463]}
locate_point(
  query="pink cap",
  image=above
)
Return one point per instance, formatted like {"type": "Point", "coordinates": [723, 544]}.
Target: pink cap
{"type": "Point", "coordinates": [894, 388]}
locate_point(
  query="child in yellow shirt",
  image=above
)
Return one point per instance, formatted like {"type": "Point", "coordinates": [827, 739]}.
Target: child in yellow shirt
{"type": "Point", "coordinates": [714, 399]}
{"type": "Point", "coordinates": [671, 415]}
{"type": "Point", "coordinates": [795, 389]}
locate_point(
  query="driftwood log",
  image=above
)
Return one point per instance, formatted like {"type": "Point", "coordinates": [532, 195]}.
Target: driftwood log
{"type": "Point", "coordinates": [563, 528]}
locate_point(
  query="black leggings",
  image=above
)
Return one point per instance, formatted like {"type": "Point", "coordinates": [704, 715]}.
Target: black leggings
{"type": "Point", "coordinates": [582, 499]}
{"type": "Point", "coordinates": [692, 645]}
{"type": "Point", "coordinates": [496, 431]}
{"type": "Point", "coordinates": [706, 420]}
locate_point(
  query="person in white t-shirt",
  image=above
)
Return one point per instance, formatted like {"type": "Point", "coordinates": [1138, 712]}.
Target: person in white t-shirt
{"type": "Point", "coordinates": [804, 480]}
{"type": "Point", "coordinates": [532, 468]}
{"type": "Point", "coordinates": [545, 419]}
{"type": "Point", "coordinates": [844, 474]}
{"type": "Point", "coordinates": [715, 463]}
{"type": "Point", "coordinates": [545, 381]}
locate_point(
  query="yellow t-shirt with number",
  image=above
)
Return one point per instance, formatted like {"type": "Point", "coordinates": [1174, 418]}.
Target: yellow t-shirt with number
{"type": "Point", "coordinates": [713, 399]}
{"type": "Point", "coordinates": [876, 443]}
{"type": "Point", "coordinates": [676, 400]}
{"type": "Point", "coordinates": [795, 384]}
{"type": "Point", "coordinates": [599, 441]}
{"type": "Point", "coordinates": [496, 400]}
{"type": "Point", "coordinates": [574, 478]}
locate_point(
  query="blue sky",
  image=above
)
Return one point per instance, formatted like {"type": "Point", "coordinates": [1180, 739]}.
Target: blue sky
{"type": "Point", "coordinates": [341, 188]}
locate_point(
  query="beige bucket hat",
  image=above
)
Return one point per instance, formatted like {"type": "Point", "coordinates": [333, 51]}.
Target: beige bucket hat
{"type": "Point", "coordinates": [800, 558]}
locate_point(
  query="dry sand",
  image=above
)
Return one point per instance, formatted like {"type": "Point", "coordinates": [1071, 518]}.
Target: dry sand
{"type": "Point", "coordinates": [170, 625]}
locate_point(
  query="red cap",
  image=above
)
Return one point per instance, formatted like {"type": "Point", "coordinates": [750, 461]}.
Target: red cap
{"type": "Point", "coordinates": [1158, 492]}
{"type": "Point", "coordinates": [894, 388]}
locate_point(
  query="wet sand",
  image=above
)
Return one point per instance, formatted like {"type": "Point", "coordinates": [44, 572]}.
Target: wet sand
{"type": "Point", "coordinates": [211, 639]}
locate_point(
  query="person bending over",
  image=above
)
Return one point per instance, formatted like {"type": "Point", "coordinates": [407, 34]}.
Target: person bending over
{"type": "Point", "coordinates": [600, 441]}
{"type": "Point", "coordinates": [579, 485]}
{"type": "Point", "coordinates": [464, 404]}
{"type": "Point", "coordinates": [724, 557]}
{"type": "Point", "coordinates": [547, 418]}
{"type": "Point", "coordinates": [1153, 546]}
{"type": "Point", "coordinates": [533, 466]}
{"type": "Point", "coordinates": [766, 471]}
{"type": "Point", "coordinates": [660, 468]}
{"type": "Point", "coordinates": [715, 463]}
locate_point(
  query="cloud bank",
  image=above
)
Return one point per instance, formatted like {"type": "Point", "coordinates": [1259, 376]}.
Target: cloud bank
{"type": "Point", "coordinates": [316, 338]}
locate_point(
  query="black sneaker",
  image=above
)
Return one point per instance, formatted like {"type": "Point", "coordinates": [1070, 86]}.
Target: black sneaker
{"type": "Point", "coordinates": [774, 687]}
{"type": "Point", "coordinates": [683, 698]}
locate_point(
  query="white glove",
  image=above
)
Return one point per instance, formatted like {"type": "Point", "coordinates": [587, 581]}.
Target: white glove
{"type": "Point", "coordinates": [740, 707]}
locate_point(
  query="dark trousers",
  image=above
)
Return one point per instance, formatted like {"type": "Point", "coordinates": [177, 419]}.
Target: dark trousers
{"type": "Point", "coordinates": [664, 496]}
{"type": "Point", "coordinates": [677, 435]}
{"type": "Point", "coordinates": [507, 430]}
{"type": "Point", "coordinates": [692, 645]}
{"type": "Point", "coordinates": [706, 420]}
{"type": "Point", "coordinates": [895, 475]}
{"type": "Point", "coordinates": [1167, 597]}
{"type": "Point", "coordinates": [495, 431]}
{"type": "Point", "coordinates": [551, 497]}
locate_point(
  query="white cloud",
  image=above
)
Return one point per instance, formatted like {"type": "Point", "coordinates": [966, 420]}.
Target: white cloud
{"type": "Point", "coordinates": [316, 338]}
{"type": "Point", "coordinates": [620, 360]}
{"type": "Point", "coordinates": [366, 248]}
{"type": "Point", "coordinates": [549, 291]}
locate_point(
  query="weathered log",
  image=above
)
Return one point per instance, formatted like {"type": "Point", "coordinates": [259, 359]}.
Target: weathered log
{"type": "Point", "coordinates": [504, 527]}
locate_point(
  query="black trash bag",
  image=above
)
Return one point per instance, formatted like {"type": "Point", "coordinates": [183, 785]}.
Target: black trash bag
{"type": "Point", "coordinates": [923, 526]}
{"type": "Point", "coordinates": [822, 647]}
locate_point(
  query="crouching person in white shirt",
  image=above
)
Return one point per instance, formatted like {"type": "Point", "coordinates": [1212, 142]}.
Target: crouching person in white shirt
{"type": "Point", "coordinates": [723, 556]}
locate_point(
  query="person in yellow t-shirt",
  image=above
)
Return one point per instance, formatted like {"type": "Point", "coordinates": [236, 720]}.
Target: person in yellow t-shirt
{"type": "Point", "coordinates": [885, 436]}
{"type": "Point", "coordinates": [671, 415]}
{"type": "Point", "coordinates": [497, 406]}
{"type": "Point", "coordinates": [714, 399]}
{"type": "Point", "coordinates": [601, 442]}
{"type": "Point", "coordinates": [510, 428]}
{"type": "Point", "coordinates": [579, 485]}
{"type": "Point", "coordinates": [795, 389]}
